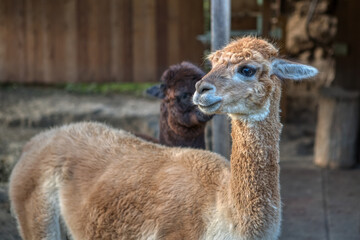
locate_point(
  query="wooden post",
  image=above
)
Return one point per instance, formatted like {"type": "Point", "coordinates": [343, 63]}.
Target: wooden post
{"type": "Point", "coordinates": [220, 36]}
{"type": "Point", "coordinates": [337, 128]}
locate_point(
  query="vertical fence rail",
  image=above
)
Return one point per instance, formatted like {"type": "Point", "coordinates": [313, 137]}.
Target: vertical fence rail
{"type": "Point", "coordinates": [220, 36]}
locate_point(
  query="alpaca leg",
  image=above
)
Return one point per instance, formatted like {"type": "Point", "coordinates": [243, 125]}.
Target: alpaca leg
{"type": "Point", "coordinates": [39, 216]}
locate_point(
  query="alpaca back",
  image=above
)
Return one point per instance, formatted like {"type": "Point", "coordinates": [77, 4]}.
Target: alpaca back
{"type": "Point", "coordinates": [110, 183]}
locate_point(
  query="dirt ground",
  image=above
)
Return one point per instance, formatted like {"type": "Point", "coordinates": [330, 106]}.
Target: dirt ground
{"type": "Point", "coordinates": [27, 111]}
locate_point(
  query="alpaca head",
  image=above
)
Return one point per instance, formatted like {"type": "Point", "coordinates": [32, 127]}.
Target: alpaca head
{"type": "Point", "coordinates": [176, 90]}
{"type": "Point", "coordinates": [243, 78]}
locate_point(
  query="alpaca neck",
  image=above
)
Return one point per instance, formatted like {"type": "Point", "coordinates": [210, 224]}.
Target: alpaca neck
{"type": "Point", "coordinates": [254, 187]}
{"type": "Point", "coordinates": [187, 136]}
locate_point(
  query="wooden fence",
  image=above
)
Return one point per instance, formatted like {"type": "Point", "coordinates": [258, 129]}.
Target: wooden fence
{"type": "Point", "coordinates": [56, 41]}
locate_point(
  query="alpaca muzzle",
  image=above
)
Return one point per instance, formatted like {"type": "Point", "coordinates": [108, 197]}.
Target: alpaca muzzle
{"type": "Point", "coordinates": [205, 97]}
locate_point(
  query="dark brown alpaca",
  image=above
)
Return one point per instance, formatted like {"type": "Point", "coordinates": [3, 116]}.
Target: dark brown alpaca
{"type": "Point", "coordinates": [181, 122]}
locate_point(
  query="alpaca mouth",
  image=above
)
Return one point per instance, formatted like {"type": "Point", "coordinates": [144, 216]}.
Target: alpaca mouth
{"type": "Point", "coordinates": [208, 103]}
{"type": "Point", "coordinates": [210, 108]}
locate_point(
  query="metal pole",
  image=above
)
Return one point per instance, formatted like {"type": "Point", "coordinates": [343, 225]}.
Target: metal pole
{"type": "Point", "coordinates": [220, 23]}
{"type": "Point", "coordinates": [220, 36]}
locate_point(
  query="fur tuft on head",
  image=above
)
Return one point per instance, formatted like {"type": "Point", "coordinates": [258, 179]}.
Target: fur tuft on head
{"type": "Point", "coordinates": [174, 75]}
{"type": "Point", "coordinates": [180, 72]}
{"type": "Point", "coordinates": [244, 49]}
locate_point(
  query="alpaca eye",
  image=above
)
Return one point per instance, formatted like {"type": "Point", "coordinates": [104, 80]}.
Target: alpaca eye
{"type": "Point", "coordinates": [247, 71]}
{"type": "Point", "coordinates": [185, 96]}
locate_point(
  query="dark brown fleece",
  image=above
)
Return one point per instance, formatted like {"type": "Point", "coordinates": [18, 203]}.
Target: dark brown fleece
{"type": "Point", "coordinates": [181, 122]}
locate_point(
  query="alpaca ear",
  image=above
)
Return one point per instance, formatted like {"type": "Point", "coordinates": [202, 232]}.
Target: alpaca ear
{"type": "Point", "coordinates": [156, 91]}
{"type": "Point", "coordinates": [290, 70]}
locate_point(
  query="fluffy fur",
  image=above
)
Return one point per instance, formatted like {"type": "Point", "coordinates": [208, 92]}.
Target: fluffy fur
{"type": "Point", "coordinates": [106, 191]}
{"type": "Point", "coordinates": [182, 124]}
{"type": "Point", "coordinates": [108, 184]}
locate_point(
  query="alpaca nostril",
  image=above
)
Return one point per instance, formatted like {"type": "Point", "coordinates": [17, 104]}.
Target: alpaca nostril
{"type": "Point", "coordinates": [206, 87]}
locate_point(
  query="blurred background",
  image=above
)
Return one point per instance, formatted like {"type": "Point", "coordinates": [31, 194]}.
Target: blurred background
{"type": "Point", "coordinates": [64, 61]}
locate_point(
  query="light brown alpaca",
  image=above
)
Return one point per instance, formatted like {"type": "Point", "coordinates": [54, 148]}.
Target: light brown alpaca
{"type": "Point", "coordinates": [95, 182]}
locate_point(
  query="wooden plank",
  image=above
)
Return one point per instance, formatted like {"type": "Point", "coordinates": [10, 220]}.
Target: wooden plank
{"type": "Point", "coordinates": [173, 29]}
{"type": "Point", "coordinates": [96, 37]}
{"type": "Point", "coordinates": [37, 42]}
{"type": "Point", "coordinates": [162, 36]}
{"type": "Point", "coordinates": [34, 41]}
{"type": "Point", "coordinates": [20, 66]}
{"type": "Point", "coordinates": [3, 33]}
{"type": "Point", "coordinates": [57, 34]}
{"type": "Point", "coordinates": [127, 57]}
{"type": "Point", "coordinates": [116, 40]}
{"type": "Point", "coordinates": [40, 47]}
{"type": "Point", "coordinates": [104, 41]}
{"type": "Point", "coordinates": [121, 40]}
{"type": "Point", "coordinates": [184, 30]}
{"type": "Point", "coordinates": [46, 42]}
{"type": "Point", "coordinates": [93, 40]}
{"type": "Point", "coordinates": [70, 34]}
{"type": "Point", "coordinates": [15, 41]}
{"type": "Point", "coordinates": [82, 40]}
{"type": "Point", "coordinates": [144, 37]}
{"type": "Point", "coordinates": [52, 29]}
{"type": "Point", "coordinates": [191, 27]}
{"type": "Point", "coordinates": [30, 41]}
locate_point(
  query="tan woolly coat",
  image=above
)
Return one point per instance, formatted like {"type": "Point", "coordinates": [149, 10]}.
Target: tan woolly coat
{"type": "Point", "coordinates": [112, 185]}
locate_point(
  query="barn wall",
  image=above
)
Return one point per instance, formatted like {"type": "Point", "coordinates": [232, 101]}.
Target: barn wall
{"type": "Point", "coordinates": [96, 41]}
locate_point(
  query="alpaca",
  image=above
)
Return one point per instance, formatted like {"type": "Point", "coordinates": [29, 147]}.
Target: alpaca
{"type": "Point", "coordinates": [90, 181]}
{"type": "Point", "coordinates": [182, 124]}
